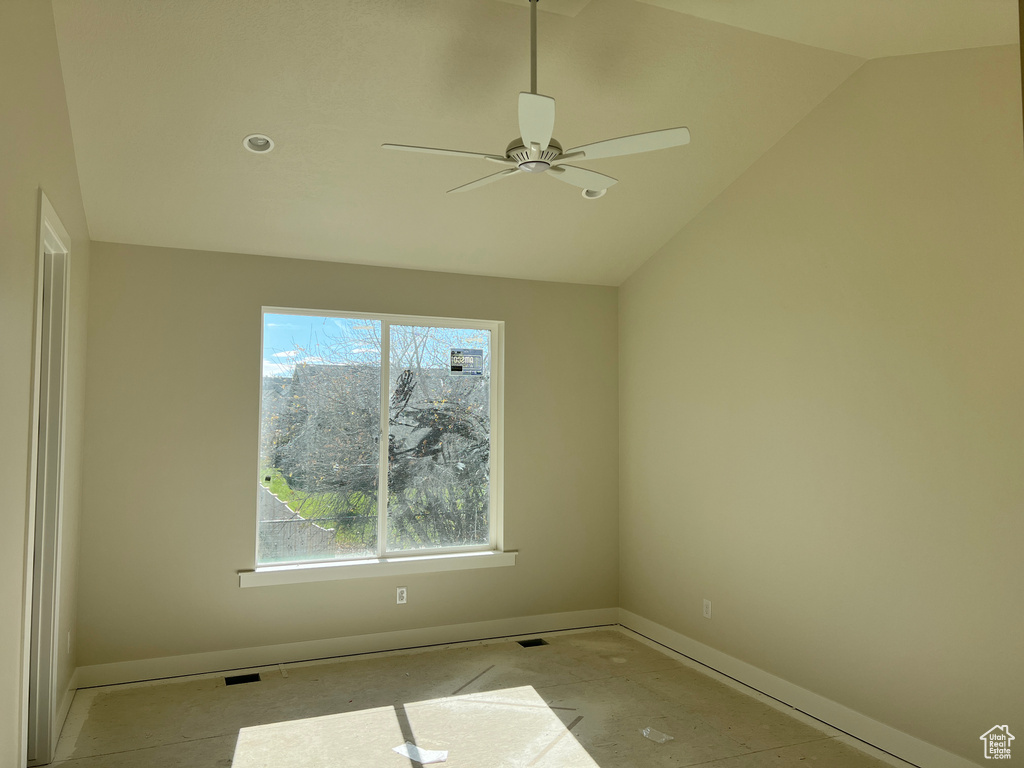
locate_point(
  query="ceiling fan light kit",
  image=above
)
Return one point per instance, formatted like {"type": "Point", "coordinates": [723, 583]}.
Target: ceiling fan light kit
{"type": "Point", "coordinates": [535, 151]}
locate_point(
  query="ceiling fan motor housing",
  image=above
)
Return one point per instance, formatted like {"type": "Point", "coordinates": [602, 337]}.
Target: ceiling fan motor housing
{"type": "Point", "coordinates": [533, 163]}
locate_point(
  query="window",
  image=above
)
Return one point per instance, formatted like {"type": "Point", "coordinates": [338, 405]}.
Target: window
{"type": "Point", "coordinates": [378, 437]}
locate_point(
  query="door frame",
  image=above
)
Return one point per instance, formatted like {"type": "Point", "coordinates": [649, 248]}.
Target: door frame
{"type": "Point", "coordinates": [44, 515]}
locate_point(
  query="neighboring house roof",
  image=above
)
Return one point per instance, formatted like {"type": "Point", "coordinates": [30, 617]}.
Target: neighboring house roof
{"type": "Point", "coordinates": [326, 425]}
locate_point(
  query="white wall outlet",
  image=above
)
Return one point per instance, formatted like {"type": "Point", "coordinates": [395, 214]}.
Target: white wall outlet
{"type": "Point", "coordinates": [402, 596]}
{"type": "Point", "coordinates": [707, 608]}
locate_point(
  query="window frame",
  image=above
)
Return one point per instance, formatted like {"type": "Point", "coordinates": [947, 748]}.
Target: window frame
{"type": "Point", "coordinates": [401, 561]}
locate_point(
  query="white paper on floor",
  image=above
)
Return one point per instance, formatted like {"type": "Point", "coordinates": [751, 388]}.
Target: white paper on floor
{"type": "Point", "coordinates": [421, 756]}
{"type": "Point", "coordinates": [653, 735]}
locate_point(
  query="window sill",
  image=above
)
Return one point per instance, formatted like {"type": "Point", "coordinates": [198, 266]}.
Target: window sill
{"type": "Point", "coordinates": [300, 573]}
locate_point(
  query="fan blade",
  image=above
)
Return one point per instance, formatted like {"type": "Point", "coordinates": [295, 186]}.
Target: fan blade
{"type": "Point", "coordinates": [632, 145]}
{"type": "Point", "coordinates": [536, 119]}
{"type": "Point", "coordinates": [455, 152]}
{"type": "Point", "coordinates": [581, 177]}
{"type": "Point", "coordinates": [485, 180]}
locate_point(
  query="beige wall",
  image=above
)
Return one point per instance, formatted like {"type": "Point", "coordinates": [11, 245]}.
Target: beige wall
{"type": "Point", "coordinates": [37, 152]}
{"type": "Point", "coordinates": [821, 411]}
{"type": "Point", "coordinates": [172, 418]}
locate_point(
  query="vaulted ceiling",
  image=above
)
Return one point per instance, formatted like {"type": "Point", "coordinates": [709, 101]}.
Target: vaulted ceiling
{"type": "Point", "coordinates": [161, 95]}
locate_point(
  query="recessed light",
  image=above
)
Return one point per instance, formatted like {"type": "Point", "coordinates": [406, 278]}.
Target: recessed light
{"type": "Point", "coordinates": [258, 143]}
{"type": "Point", "coordinates": [593, 194]}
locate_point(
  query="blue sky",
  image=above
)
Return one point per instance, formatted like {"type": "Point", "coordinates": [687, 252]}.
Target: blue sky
{"type": "Point", "coordinates": [292, 339]}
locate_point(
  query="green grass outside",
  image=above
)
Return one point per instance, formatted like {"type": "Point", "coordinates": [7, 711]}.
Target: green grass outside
{"type": "Point", "coordinates": [361, 531]}
{"type": "Point", "coordinates": [326, 508]}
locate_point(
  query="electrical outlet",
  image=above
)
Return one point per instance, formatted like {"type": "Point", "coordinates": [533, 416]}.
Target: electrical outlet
{"type": "Point", "coordinates": [402, 596]}
{"type": "Point", "coordinates": [707, 608]}
{"type": "Point", "coordinates": [69, 641]}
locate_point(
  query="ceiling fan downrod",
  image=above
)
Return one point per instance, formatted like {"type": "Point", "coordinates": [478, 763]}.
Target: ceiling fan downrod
{"type": "Point", "coordinates": [533, 46]}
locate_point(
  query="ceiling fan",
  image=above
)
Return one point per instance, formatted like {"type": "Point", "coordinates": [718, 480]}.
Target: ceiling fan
{"type": "Point", "coordinates": [535, 151]}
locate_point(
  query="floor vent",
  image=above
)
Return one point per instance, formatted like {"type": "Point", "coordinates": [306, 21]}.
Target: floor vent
{"type": "Point", "coordinates": [533, 643]}
{"type": "Point", "coordinates": [239, 679]}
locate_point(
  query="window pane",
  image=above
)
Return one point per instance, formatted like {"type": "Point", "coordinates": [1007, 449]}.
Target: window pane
{"type": "Point", "coordinates": [319, 446]}
{"type": "Point", "coordinates": [439, 441]}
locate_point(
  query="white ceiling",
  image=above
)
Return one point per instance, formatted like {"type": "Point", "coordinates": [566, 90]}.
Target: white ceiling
{"type": "Point", "coordinates": [564, 7]}
{"type": "Point", "coordinates": [867, 28]}
{"type": "Point", "coordinates": [161, 94]}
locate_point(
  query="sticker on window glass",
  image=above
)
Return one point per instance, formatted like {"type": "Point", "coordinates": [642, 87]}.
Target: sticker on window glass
{"type": "Point", "coordinates": [468, 362]}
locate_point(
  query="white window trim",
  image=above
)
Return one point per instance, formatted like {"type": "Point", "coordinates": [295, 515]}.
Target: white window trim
{"type": "Point", "coordinates": [300, 573]}
{"type": "Point", "coordinates": [429, 561]}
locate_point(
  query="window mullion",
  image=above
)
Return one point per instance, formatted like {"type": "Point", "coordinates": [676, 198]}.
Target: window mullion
{"type": "Point", "coordinates": [385, 412]}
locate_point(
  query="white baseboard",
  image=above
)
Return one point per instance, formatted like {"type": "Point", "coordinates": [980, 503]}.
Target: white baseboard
{"type": "Point", "coordinates": [873, 732]}
{"type": "Point", "coordinates": [268, 655]}
{"type": "Point", "coordinates": [65, 706]}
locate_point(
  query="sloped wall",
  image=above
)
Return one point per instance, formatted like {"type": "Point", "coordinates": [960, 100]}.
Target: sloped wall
{"type": "Point", "coordinates": [822, 427]}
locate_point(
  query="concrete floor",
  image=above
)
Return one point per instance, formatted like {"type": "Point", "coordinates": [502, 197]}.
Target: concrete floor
{"type": "Point", "coordinates": [579, 702]}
